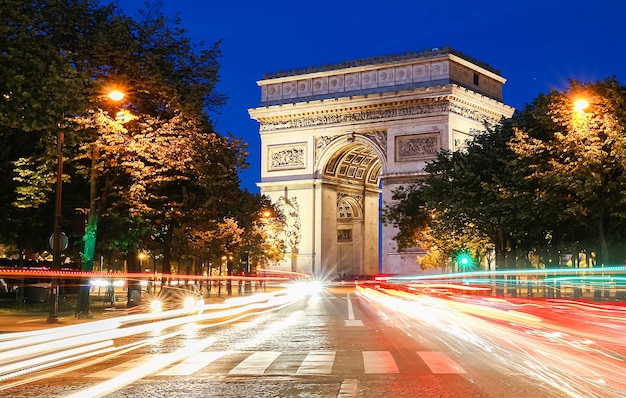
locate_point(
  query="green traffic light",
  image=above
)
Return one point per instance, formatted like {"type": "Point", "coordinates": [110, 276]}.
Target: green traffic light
{"type": "Point", "coordinates": [464, 259]}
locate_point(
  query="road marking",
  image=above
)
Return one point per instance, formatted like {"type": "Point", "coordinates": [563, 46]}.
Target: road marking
{"type": "Point", "coordinates": [350, 310]}
{"type": "Point", "coordinates": [351, 321]}
{"type": "Point", "coordinates": [255, 364]}
{"type": "Point", "coordinates": [348, 388]}
{"type": "Point", "coordinates": [438, 362]}
{"type": "Point", "coordinates": [317, 363]}
{"type": "Point", "coordinates": [127, 366]}
{"type": "Point", "coordinates": [377, 362]}
{"type": "Point", "coordinates": [193, 364]}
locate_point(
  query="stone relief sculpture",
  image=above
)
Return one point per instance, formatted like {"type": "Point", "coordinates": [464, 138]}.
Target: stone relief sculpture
{"type": "Point", "coordinates": [344, 235]}
{"type": "Point", "coordinates": [287, 158]}
{"type": "Point", "coordinates": [378, 137]}
{"type": "Point", "coordinates": [418, 146]}
{"type": "Point", "coordinates": [292, 233]}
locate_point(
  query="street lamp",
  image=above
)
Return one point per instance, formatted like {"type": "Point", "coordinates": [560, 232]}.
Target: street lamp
{"type": "Point", "coordinates": [581, 104]}
{"type": "Point", "coordinates": [53, 299]}
{"type": "Point", "coordinates": [116, 95]}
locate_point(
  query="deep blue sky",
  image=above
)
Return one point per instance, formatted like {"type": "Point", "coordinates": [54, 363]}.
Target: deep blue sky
{"type": "Point", "coordinates": [536, 44]}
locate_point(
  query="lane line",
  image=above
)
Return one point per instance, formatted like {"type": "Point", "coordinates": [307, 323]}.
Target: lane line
{"type": "Point", "coordinates": [351, 321]}
{"type": "Point", "coordinates": [350, 310]}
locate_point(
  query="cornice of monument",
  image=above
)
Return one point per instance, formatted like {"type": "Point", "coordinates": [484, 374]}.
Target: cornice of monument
{"type": "Point", "coordinates": [335, 113]}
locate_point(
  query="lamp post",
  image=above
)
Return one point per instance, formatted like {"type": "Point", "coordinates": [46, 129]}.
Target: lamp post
{"type": "Point", "coordinates": [53, 298]}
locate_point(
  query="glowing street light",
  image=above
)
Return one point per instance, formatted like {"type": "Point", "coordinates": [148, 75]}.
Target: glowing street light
{"type": "Point", "coordinates": [116, 95]}
{"type": "Point", "coordinates": [581, 104]}
{"type": "Point", "coordinates": [141, 256]}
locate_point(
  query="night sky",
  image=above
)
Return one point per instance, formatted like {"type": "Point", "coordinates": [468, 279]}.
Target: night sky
{"type": "Point", "coordinates": [537, 45]}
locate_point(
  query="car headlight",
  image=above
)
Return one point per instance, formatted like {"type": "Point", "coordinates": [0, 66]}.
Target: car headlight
{"type": "Point", "coordinates": [156, 306]}
{"type": "Point", "coordinates": [189, 303]}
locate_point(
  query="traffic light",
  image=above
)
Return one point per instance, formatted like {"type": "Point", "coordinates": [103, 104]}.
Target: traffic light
{"type": "Point", "coordinates": [464, 259]}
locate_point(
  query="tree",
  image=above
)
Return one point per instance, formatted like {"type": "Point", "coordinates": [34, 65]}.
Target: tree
{"type": "Point", "coordinates": [579, 157]}
{"type": "Point", "coordinates": [548, 181]}
{"type": "Point", "coordinates": [41, 83]}
{"type": "Point", "coordinates": [138, 179]}
{"type": "Point", "coordinates": [470, 200]}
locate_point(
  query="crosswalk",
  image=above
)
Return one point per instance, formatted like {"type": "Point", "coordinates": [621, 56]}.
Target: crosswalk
{"type": "Point", "coordinates": [309, 363]}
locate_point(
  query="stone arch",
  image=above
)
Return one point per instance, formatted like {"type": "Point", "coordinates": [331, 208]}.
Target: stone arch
{"type": "Point", "coordinates": [352, 133]}
{"type": "Point", "coordinates": [332, 149]}
{"type": "Point", "coordinates": [349, 168]}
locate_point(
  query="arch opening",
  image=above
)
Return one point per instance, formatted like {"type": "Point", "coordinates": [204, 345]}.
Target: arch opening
{"type": "Point", "coordinates": [351, 181]}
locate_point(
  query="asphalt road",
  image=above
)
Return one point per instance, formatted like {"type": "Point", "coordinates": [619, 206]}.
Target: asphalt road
{"type": "Point", "coordinates": [329, 345]}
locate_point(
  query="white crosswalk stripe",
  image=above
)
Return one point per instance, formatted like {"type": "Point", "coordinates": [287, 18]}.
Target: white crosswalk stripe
{"type": "Point", "coordinates": [124, 367]}
{"type": "Point", "coordinates": [379, 362]}
{"type": "Point", "coordinates": [438, 362]}
{"type": "Point", "coordinates": [317, 363]}
{"type": "Point", "coordinates": [193, 364]}
{"type": "Point", "coordinates": [257, 363]}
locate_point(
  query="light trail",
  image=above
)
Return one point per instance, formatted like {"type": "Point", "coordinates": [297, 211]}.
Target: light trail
{"type": "Point", "coordinates": [36, 352]}
{"type": "Point", "coordinates": [572, 347]}
{"type": "Point", "coordinates": [116, 383]}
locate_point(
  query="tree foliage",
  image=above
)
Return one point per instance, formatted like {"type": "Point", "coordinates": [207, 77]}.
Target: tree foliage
{"type": "Point", "coordinates": [547, 182]}
{"type": "Point", "coordinates": [151, 169]}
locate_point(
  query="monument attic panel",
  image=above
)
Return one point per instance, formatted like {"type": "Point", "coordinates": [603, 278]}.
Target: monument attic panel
{"type": "Point", "coordinates": [434, 68]}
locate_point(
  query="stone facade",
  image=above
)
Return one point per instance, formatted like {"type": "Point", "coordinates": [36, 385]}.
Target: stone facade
{"type": "Point", "coordinates": [337, 140]}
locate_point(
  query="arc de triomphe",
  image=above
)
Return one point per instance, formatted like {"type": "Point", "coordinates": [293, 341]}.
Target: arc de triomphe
{"type": "Point", "coordinates": [337, 140]}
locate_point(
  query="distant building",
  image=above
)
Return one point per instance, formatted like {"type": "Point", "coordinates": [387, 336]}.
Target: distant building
{"type": "Point", "coordinates": [337, 140]}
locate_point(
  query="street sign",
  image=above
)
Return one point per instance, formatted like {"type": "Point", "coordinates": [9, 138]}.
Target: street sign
{"type": "Point", "coordinates": [64, 241]}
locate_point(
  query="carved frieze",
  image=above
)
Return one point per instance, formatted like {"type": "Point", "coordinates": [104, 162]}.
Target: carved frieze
{"type": "Point", "coordinates": [287, 157]}
{"type": "Point", "coordinates": [417, 146]}
{"type": "Point", "coordinates": [376, 113]}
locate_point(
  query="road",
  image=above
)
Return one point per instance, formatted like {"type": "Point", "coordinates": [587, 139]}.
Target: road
{"type": "Point", "coordinates": [338, 343]}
